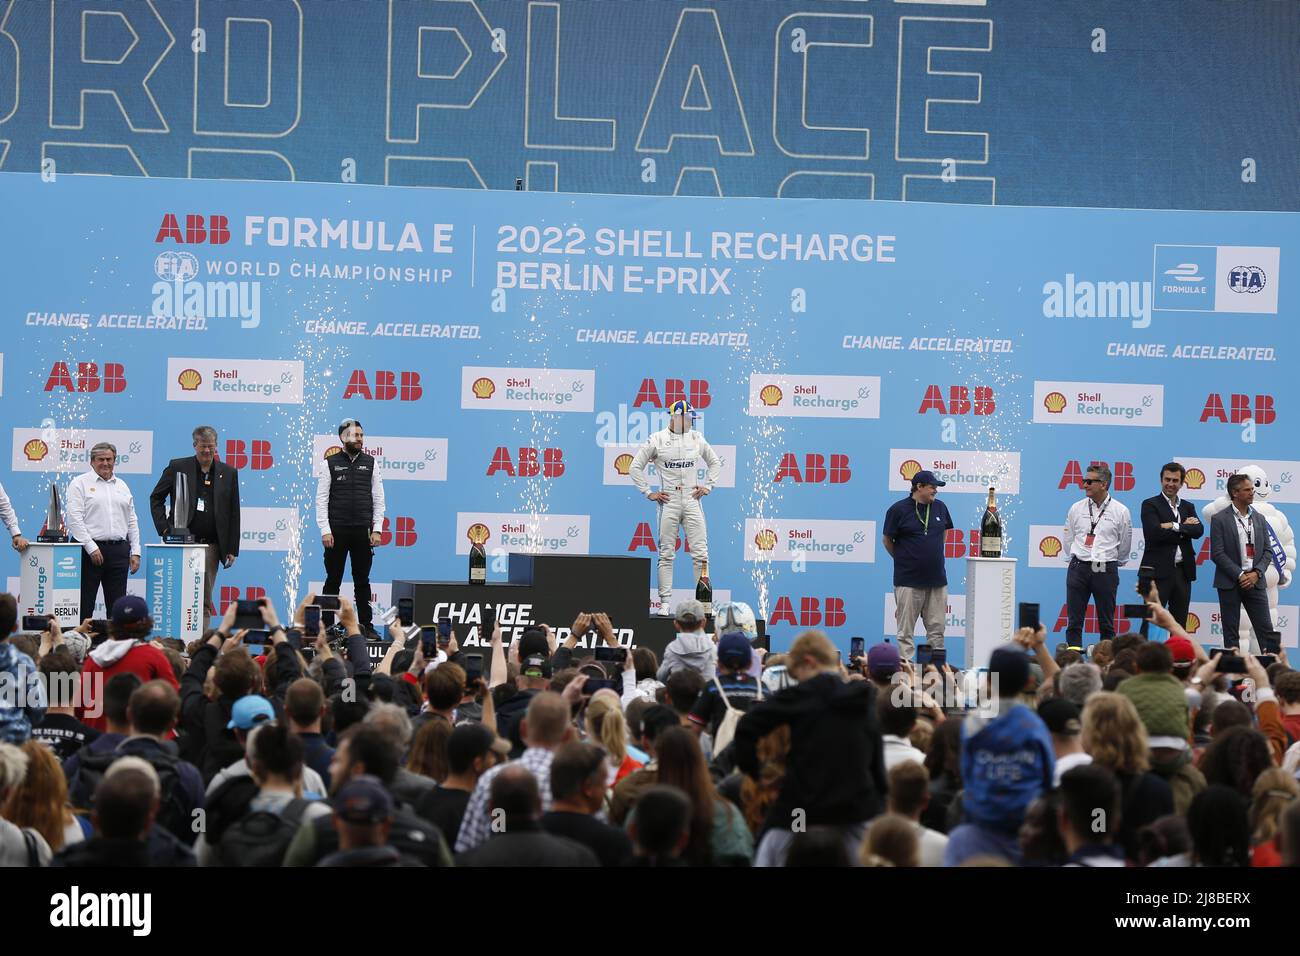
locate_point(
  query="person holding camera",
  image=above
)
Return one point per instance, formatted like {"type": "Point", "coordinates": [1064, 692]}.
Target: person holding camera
{"type": "Point", "coordinates": [350, 513]}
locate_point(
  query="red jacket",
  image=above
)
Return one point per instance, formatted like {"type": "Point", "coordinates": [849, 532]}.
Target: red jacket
{"type": "Point", "coordinates": [143, 660]}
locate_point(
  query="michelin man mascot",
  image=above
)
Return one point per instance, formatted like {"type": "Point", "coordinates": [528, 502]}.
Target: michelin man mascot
{"type": "Point", "coordinates": [1281, 543]}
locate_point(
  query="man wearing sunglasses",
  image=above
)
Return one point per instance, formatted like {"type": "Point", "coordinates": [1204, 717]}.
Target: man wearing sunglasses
{"type": "Point", "coordinates": [1098, 536]}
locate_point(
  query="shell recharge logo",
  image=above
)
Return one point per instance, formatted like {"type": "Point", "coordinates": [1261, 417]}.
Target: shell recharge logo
{"type": "Point", "coordinates": [483, 388]}
{"type": "Point", "coordinates": [909, 468]}
{"type": "Point", "coordinates": [770, 396]}
{"type": "Point", "coordinates": [190, 379]}
{"type": "Point", "coordinates": [1195, 479]}
{"type": "Point", "coordinates": [765, 540]}
{"type": "Point", "coordinates": [1193, 623]}
{"type": "Point", "coordinates": [1054, 402]}
{"type": "Point", "coordinates": [36, 450]}
{"type": "Point", "coordinates": [332, 450]}
{"type": "Point", "coordinates": [1050, 547]}
{"type": "Point", "coordinates": [623, 464]}
{"type": "Point", "coordinates": [478, 533]}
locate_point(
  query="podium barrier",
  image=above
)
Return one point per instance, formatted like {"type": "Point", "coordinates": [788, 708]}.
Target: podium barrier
{"type": "Point", "coordinates": [990, 607]}
{"type": "Point", "coordinates": [50, 581]}
{"type": "Point", "coordinates": [174, 589]}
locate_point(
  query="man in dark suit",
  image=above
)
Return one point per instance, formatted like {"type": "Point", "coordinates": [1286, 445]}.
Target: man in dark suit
{"type": "Point", "coordinates": [214, 504]}
{"type": "Point", "coordinates": [1169, 526]}
{"type": "Point", "coordinates": [1240, 548]}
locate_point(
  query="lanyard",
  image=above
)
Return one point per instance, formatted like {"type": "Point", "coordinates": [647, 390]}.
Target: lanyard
{"type": "Point", "coordinates": [925, 524]}
{"type": "Point", "coordinates": [1096, 521]}
{"type": "Point", "coordinates": [1247, 527]}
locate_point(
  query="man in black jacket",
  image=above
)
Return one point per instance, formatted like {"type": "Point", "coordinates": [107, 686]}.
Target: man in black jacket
{"type": "Point", "coordinates": [835, 770]}
{"type": "Point", "coordinates": [522, 841]}
{"type": "Point", "coordinates": [350, 513]}
{"type": "Point", "coordinates": [1169, 526]}
{"type": "Point", "coordinates": [213, 501]}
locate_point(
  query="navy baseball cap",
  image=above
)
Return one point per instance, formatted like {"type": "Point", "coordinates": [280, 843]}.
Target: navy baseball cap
{"type": "Point", "coordinates": [927, 478]}
{"type": "Point", "coordinates": [363, 800]}
{"type": "Point", "coordinates": [129, 609]}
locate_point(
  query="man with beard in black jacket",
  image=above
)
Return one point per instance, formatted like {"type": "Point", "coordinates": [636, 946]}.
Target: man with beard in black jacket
{"type": "Point", "coordinates": [364, 750]}
{"type": "Point", "coordinates": [835, 771]}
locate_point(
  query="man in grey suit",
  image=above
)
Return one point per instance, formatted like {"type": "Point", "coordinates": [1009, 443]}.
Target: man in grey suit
{"type": "Point", "coordinates": [1240, 549]}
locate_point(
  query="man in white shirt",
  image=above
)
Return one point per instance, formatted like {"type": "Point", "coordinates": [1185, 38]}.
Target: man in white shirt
{"type": "Point", "coordinates": [1098, 536]}
{"type": "Point", "coordinates": [101, 518]}
{"type": "Point", "coordinates": [10, 519]}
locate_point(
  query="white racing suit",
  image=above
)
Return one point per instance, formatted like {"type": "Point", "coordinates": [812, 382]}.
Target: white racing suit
{"type": "Point", "coordinates": [676, 455]}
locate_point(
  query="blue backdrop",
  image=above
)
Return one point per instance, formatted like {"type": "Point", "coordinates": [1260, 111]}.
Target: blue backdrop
{"type": "Point", "coordinates": [1163, 103]}
{"type": "Point", "coordinates": [505, 351]}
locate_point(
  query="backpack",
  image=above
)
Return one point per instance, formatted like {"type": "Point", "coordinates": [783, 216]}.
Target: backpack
{"type": "Point", "coordinates": [727, 728]}
{"type": "Point", "coordinates": [262, 837]}
{"type": "Point", "coordinates": [173, 811]}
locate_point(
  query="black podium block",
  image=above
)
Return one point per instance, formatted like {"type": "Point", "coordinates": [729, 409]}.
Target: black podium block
{"type": "Point", "coordinates": [548, 589]}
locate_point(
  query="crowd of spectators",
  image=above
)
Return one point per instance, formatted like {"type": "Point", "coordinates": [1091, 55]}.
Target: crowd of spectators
{"type": "Point", "coordinates": [126, 748]}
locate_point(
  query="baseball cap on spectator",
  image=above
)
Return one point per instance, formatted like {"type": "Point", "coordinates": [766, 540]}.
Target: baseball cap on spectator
{"type": "Point", "coordinates": [249, 711]}
{"type": "Point", "coordinates": [927, 478]}
{"type": "Point", "coordinates": [534, 653]}
{"type": "Point", "coordinates": [882, 660]}
{"type": "Point", "coordinates": [1061, 716]}
{"type": "Point", "coordinates": [1011, 665]}
{"type": "Point", "coordinates": [128, 609]}
{"type": "Point", "coordinates": [473, 740]}
{"type": "Point", "coordinates": [1181, 649]}
{"type": "Point", "coordinates": [690, 613]}
{"type": "Point", "coordinates": [363, 801]}
{"type": "Point", "coordinates": [734, 649]}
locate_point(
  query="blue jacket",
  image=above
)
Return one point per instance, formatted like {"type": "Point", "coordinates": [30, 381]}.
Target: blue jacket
{"type": "Point", "coordinates": [1006, 762]}
{"type": "Point", "coordinates": [22, 695]}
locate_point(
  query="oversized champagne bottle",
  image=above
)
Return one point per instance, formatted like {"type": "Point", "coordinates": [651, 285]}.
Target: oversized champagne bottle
{"type": "Point", "coordinates": [478, 534]}
{"type": "Point", "coordinates": [704, 590]}
{"type": "Point", "coordinates": [991, 530]}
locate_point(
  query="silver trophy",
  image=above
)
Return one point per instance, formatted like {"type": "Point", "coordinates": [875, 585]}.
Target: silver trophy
{"type": "Point", "coordinates": [179, 532]}
{"type": "Point", "coordinates": [54, 532]}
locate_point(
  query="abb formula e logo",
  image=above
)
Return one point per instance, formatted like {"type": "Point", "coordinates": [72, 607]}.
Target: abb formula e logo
{"type": "Point", "coordinates": [388, 386]}
{"type": "Point", "coordinates": [813, 611]}
{"type": "Point", "coordinates": [400, 531]}
{"type": "Point", "coordinates": [213, 230]}
{"type": "Point", "coordinates": [1239, 409]}
{"type": "Point", "coordinates": [816, 469]}
{"type": "Point", "coordinates": [1121, 474]}
{"type": "Point", "coordinates": [255, 454]}
{"type": "Point", "coordinates": [696, 391]}
{"type": "Point", "coordinates": [109, 378]}
{"type": "Point", "coordinates": [528, 464]}
{"type": "Point", "coordinates": [959, 400]}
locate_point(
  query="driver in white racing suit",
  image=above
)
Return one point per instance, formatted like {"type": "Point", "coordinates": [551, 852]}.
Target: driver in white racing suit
{"type": "Point", "coordinates": [676, 451]}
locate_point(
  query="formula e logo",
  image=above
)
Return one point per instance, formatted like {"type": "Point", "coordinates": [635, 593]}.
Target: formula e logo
{"type": "Point", "coordinates": [1247, 279]}
{"type": "Point", "coordinates": [1185, 272]}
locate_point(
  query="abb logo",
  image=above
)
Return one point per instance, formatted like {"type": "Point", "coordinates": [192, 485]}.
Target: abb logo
{"type": "Point", "coordinates": [90, 378]}
{"type": "Point", "coordinates": [956, 544]}
{"type": "Point", "coordinates": [814, 469]}
{"type": "Point", "coordinates": [405, 534]}
{"type": "Point", "coordinates": [527, 465]}
{"type": "Point", "coordinates": [239, 456]}
{"type": "Point", "coordinates": [388, 386]}
{"type": "Point", "coordinates": [643, 537]}
{"type": "Point", "coordinates": [215, 230]}
{"type": "Point", "coordinates": [1121, 475]}
{"type": "Point", "coordinates": [1239, 409]}
{"type": "Point", "coordinates": [230, 595]}
{"type": "Point", "coordinates": [812, 611]}
{"type": "Point", "coordinates": [696, 392]}
{"type": "Point", "coordinates": [959, 401]}
{"type": "Point", "coordinates": [1122, 624]}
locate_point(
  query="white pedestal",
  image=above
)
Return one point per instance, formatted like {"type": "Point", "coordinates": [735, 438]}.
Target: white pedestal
{"type": "Point", "coordinates": [50, 582]}
{"type": "Point", "coordinates": [174, 589]}
{"type": "Point", "coordinates": [990, 607]}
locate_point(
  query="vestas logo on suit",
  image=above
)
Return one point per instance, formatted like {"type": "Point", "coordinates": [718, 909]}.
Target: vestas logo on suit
{"type": "Point", "coordinates": [109, 378]}
{"type": "Point", "coordinates": [616, 466]}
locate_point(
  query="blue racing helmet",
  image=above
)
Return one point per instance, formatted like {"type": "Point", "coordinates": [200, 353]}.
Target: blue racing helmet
{"type": "Point", "coordinates": [682, 407]}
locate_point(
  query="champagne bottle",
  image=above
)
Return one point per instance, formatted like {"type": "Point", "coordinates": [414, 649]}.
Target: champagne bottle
{"type": "Point", "coordinates": [991, 530]}
{"type": "Point", "coordinates": [477, 564]}
{"type": "Point", "coordinates": [704, 590]}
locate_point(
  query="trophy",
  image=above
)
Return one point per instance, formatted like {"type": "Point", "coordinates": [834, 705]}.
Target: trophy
{"type": "Point", "coordinates": [179, 532]}
{"type": "Point", "coordinates": [54, 532]}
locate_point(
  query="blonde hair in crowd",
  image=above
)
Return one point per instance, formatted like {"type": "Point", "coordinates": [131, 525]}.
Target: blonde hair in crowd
{"type": "Point", "coordinates": [606, 724]}
{"type": "Point", "coordinates": [1114, 734]}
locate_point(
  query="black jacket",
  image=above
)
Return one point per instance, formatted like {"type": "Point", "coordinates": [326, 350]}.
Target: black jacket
{"type": "Point", "coordinates": [1161, 543]}
{"type": "Point", "coordinates": [215, 747]}
{"type": "Point", "coordinates": [528, 845]}
{"type": "Point", "coordinates": [225, 499]}
{"type": "Point", "coordinates": [835, 773]}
